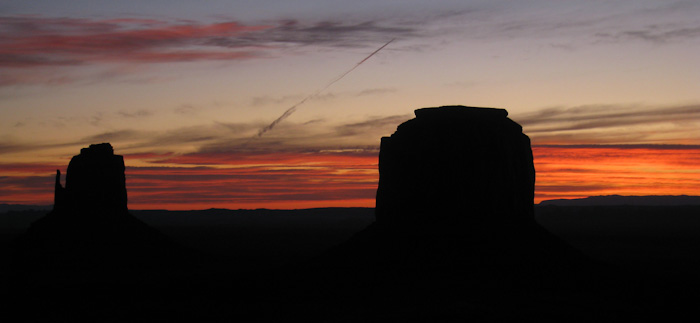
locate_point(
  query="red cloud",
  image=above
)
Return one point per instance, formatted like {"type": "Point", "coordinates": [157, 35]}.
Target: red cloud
{"type": "Point", "coordinates": [39, 41]}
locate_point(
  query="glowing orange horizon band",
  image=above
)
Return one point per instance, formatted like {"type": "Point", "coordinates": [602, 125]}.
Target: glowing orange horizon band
{"type": "Point", "coordinates": [289, 180]}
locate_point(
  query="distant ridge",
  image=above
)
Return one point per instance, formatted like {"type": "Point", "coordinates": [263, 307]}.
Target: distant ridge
{"type": "Point", "coordinates": [23, 207]}
{"type": "Point", "coordinates": [611, 200]}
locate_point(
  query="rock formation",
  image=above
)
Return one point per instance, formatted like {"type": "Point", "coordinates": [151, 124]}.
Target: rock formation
{"type": "Point", "coordinates": [95, 180]}
{"type": "Point", "coordinates": [455, 204]}
{"type": "Point", "coordinates": [90, 227]}
{"type": "Point", "coordinates": [456, 164]}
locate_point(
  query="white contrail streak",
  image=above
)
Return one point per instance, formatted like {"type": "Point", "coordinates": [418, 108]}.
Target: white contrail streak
{"type": "Point", "coordinates": [294, 107]}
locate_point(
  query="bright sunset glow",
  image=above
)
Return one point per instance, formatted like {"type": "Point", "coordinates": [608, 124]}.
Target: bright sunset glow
{"type": "Point", "coordinates": [576, 172]}
{"type": "Point", "coordinates": [607, 91]}
{"type": "Point", "coordinates": [325, 180]}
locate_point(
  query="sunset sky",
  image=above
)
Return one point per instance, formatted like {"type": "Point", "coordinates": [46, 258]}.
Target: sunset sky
{"type": "Point", "coordinates": [608, 91]}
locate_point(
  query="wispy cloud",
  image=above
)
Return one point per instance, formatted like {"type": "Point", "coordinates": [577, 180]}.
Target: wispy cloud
{"type": "Point", "coordinates": [229, 139]}
{"type": "Point", "coordinates": [597, 116]}
{"type": "Point", "coordinates": [269, 99]}
{"type": "Point", "coordinates": [372, 126]}
{"type": "Point", "coordinates": [332, 33]}
{"type": "Point", "coordinates": [46, 41]}
{"type": "Point", "coordinates": [185, 109]}
{"type": "Point", "coordinates": [13, 145]}
{"type": "Point", "coordinates": [359, 137]}
{"type": "Point", "coordinates": [119, 135]}
{"type": "Point", "coordinates": [611, 123]}
{"type": "Point", "coordinates": [574, 26]}
{"type": "Point", "coordinates": [593, 125]}
{"type": "Point", "coordinates": [328, 96]}
{"type": "Point", "coordinates": [40, 43]}
{"type": "Point", "coordinates": [628, 146]}
{"type": "Point", "coordinates": [135, 114]}
{"type": "Point", "coordinates": [9, 78]}
{"type": "Point", "coordinates": [654, 33]}
{"type": "Point", "coordinates": [377, 91]}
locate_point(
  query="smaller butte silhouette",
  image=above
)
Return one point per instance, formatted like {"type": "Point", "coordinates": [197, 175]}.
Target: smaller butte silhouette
{"type": "Point", "coordinates": [90, 227]}
{"type": "Point", "coordinates": [95, 181]}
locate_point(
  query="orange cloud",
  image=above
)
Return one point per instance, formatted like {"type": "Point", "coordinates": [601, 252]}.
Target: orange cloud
{"type": "Point", "coordinates": [575, 172]}
{"type": "Point", "coordinates": [255, 181]}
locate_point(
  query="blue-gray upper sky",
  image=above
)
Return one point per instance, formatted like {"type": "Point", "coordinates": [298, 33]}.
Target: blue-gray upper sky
{"type": "Point", "coordinates": [118, 70]}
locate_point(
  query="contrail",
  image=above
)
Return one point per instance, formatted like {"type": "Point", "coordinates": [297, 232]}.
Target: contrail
{"type": "Point", "coordinates": [291, 110]}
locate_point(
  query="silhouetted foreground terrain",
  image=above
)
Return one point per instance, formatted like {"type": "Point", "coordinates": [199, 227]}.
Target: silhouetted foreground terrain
{"type": "Point", "coordinates": [661, 239]}
{"type": "Point", "coordinates": [4, 208]}
{"type": "Point", "coordinates": [655, 243]}
{"type": "Point", "coordinates": [456, 237]}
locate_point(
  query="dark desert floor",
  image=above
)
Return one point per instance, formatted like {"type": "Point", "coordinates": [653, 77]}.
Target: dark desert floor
{"type": "Point", "coordinates": [253, 249]}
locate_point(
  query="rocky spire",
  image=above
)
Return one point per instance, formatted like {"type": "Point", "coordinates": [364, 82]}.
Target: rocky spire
{"type": "Point", "coordinates": [95, 180]}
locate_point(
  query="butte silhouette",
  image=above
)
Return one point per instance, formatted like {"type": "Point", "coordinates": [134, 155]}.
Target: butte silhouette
{"type": "Point", "coordinates": [90, 227]}
{"type": "Point", "coordinates": [455, 212]}
{"type": "Point", "coordinates": [454, 237]}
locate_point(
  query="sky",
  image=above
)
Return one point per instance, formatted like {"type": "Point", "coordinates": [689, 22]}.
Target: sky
{"type": "Point", "coordinates": [608, 91]}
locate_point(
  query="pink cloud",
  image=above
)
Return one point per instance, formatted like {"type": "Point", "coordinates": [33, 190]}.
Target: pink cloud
{"type": "Point", "coordinates": [39, 41]}
{"type": "Point", "coordinates": [50, 46]}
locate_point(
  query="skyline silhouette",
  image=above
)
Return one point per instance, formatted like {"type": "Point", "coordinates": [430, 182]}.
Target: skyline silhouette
{"type": "Point", "coordinates": [291, 180]}
{"type": "Point", "coordinates": [199, 191]}
{"type": "Point", "coordinates": [455, 235]}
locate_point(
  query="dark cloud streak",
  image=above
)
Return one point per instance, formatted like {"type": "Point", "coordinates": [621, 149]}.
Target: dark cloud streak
{"type": "Point", "coordinates": [654, 33]}
{"type": "Point", "coordinates": [328, 33]}
{"type": "Point", "coordinates": [628, 146]}
{"type": "Point", "coordinates": [135, 114]}
{"type": "Point", "coordinates": [605, 119]}
{"type": "Point", "coordinates": [119, 135]}
{"type": "Point", "coordinates": [372, 126]}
